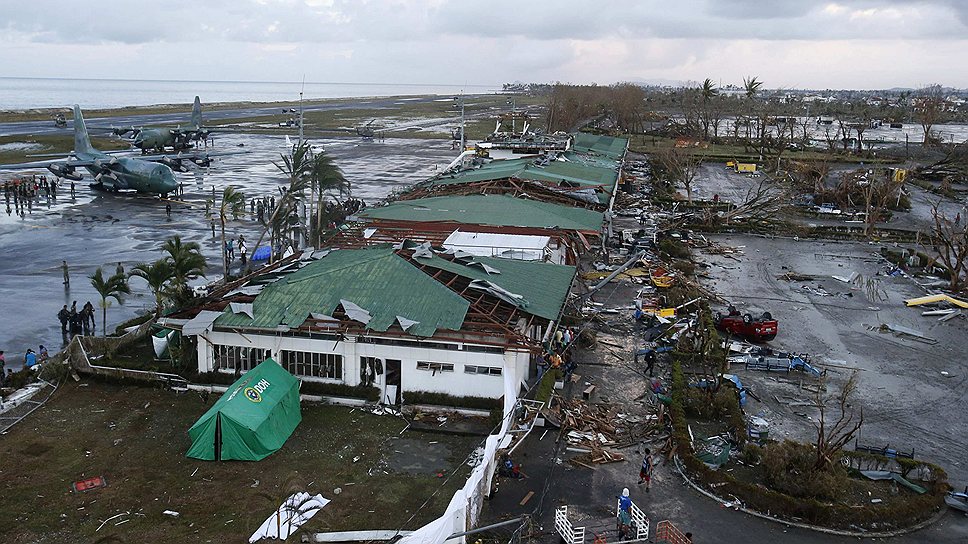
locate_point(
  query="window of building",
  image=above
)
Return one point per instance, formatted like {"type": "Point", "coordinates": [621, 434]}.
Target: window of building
{"type": "Point", "coordinates": [313, 365]}
{"type": "Point", "coordinates": [237, 358]}
{"type": "Point", "coordinates": [485, 370]}
{"type": "Point", "coordinates": [435, 367]}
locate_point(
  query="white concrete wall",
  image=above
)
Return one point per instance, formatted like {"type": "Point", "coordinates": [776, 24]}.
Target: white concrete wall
{"type": "Point", "coordinates": [456, 383]}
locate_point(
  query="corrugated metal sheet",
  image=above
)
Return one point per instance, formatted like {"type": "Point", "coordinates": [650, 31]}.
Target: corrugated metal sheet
{"type": "Point", "coordinates": [606, 145]}
{"type": "Point", "coordinates": [544, 286]}
{"type": "Point", "coordinates": [576, 171]}
{"type": "Point", "coordinates": [500, 210]}
{"type": "Point", "coordinates": [490, 244]}
{"type": "Point", "coordinates": [374, 279]}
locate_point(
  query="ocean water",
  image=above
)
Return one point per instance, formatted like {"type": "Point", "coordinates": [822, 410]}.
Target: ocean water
{"type": "Point", "coordinates": [27, 93]}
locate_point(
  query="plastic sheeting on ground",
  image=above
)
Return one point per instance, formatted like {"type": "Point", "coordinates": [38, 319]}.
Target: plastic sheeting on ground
{"type": "Point", "coordinates": [295, 511]}
{"type": "Point", "coordinates": [888, 475]}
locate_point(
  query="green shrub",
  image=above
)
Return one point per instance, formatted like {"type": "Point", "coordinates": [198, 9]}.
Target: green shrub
{"type": "Point", "coordinates": [547, 385]}
{"type": "Point", "coordinates": [369, 393]}
{"type": "Point", "coordinates": [443, 399]}
{"type": "Point", "coordinates": [19, 379]}
{"type": "Point", "coordinates": [674, 248]}
{"type": "Point", "coordinates": [789, 468]}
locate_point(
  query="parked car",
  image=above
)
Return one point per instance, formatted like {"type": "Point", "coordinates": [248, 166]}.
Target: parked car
{"type": "Point", "coordinates": [762, 328]}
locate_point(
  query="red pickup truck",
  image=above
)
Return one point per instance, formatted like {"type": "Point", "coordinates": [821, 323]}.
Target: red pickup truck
{"type": "Point", "coordinates": [754, 329]}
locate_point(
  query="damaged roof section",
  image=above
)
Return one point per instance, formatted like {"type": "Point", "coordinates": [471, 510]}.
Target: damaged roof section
{"type": "Point", "coordinates": [613, 148]}
{"type": "Point", "coordinates": [498, 210]}
{"type": "Point", "coordinates": [567, 171]}
{"type": "Point", "coordinates": [380, 287]}
{"type": "Point", "coordinates": [536, 288]}
{"type": "Point", "coordinates": [373, 286]}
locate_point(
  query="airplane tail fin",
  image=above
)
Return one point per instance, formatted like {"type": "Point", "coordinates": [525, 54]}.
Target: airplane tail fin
{"type": "Point", "coordinates": [197, 113]}
{"type": "Point", "coordinates": [82, 142]}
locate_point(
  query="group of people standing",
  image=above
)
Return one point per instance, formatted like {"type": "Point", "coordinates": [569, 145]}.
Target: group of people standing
{"type": "Point", "coordinates": [230, 249]}
{"type": "Point", "coordinates": [74, 321]}
{"type": "Point", "coordinates": [557, 353]}
{"type": "Point", "coordinates": [23, 191]}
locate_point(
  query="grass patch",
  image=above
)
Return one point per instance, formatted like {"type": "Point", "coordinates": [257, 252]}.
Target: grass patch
{"type": "Point", "coordinates": [51, 143]}
{"type": "Point", "coordinates": [137, 438]}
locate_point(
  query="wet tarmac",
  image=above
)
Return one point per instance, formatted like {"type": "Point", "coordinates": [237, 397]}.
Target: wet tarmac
{"type": "Point", "coordinates": [98, 229]}
{"type": "Point", "coordinates": [182, 116]}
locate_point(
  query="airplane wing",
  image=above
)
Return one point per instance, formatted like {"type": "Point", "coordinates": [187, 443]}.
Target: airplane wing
{"type": "Point", "coordinates": [176, 161]}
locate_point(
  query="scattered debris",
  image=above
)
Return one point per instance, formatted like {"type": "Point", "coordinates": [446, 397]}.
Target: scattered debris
{"type": "Point", "coordinates": [90, 483]}
{"type": "Point", "coordinates": [295, 511]}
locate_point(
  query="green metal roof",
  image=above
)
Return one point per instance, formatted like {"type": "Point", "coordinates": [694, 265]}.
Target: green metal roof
{"type": "Point", "coordinates": [526, 169]}
{"type": "Point", "coordinates": [543, 286]}
{"type": "Point", "coordinates": [586, 175]}
{"type": "Point", "coordinates": [375, 279]}
{"type": "Point", "coordinates": [613, 148]}
{"type": "Point", "coordinates": [498, 210]}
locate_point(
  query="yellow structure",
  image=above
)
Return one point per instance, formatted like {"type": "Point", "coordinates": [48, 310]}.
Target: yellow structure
{"type": "Point", "coordinates": [745, 167]}
{"type": "Point", "coordinates": [930, 299]}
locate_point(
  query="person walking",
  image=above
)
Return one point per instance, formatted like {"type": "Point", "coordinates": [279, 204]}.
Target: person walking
{"type": "Point", "coordinates": [67, 274]}
{"type": "Point", "coordinates": [213, 228]}
{"type": "Point", "coordinates": [645, 473]}
{"type": "Point", "coordinates": [242, 248]}
{"type": "Point", "coordinates": [168, 209]}
{"type": "Point", "coordinates": [119, 270]}
{"type": "Point", "coordinates": [231, 249]}
{"type": "Point", "coordinates": [72, 189]}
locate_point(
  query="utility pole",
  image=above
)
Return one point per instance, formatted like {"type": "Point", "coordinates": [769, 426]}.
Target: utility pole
{"type": "Point", "coordinates": [301, 90]}
{"type": "Point", "coordinates": [463, 125]}
{"type": "Point", "coordinates": [511, 102]}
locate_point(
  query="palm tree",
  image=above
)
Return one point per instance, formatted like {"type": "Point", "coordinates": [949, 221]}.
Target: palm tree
{"type": "Point", "coordinates": [752, 86]}
{"type": "Point", "coordinates": [158, 275]}
{"type": "Point", "coordinates": [708, 90]}
{"type": "Point", "coordinates": [233, 201]}
{"type": "Point", "coordinates": [186, 260]}
{"type": "Point", "coordinates": [326, 177]}
{"type": "Point", "coordinates": [297, 166]}
{"type": "Point", "coordinates": [113, 287]}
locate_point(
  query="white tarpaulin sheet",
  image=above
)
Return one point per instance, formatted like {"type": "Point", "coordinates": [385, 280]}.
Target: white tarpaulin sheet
{"type": "Point", "coordinates": [493, 244]}
{"type": "Point", "coordinates": [295, 511]}
{"type": "Point", "coordinates": [200, 323]}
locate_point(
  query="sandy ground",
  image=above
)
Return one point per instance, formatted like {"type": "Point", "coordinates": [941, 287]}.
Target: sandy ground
{"type": "Point", "coordinates": [97, 229]}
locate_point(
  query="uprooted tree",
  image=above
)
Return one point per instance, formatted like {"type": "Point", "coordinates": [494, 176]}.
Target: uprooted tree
{"type": "Point", "coordinates": [949, 243]}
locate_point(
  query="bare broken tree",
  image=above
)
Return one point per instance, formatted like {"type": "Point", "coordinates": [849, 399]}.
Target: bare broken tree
{"type": "Point", "coordinates": [762, 202]}
{"type": "Point", "coordinates": [880, 189]}
{"type": "Point", "coordinates": [680, 165]}
{"type": "Point", "coordinates": [950, 244]}
{"type": "Point", "coordinates": [929, 104]}
{"type": "Point", "coordinates": [834, 434]}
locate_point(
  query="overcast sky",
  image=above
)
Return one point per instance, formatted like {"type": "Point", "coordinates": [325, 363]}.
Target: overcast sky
{"type": "Point", "coordinates": [787, 43]}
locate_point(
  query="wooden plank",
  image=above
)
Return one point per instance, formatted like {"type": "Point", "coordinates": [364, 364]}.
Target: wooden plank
{"type": "Point", "coordinates": [526, 498]}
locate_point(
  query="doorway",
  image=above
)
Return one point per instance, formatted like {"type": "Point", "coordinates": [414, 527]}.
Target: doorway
{"type": "Point", "coordinates": [393, 380]}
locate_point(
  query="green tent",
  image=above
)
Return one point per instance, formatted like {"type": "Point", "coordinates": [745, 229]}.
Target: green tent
{"type": "Point", "coordinates": [253, 418]}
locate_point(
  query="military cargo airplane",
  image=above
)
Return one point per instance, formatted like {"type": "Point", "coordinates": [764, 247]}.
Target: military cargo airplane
{"type": "Point", "coordinates": [159, 139]}
{"type": "Point", "coordinates": [145, 174]}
